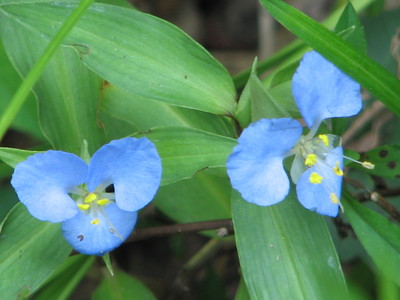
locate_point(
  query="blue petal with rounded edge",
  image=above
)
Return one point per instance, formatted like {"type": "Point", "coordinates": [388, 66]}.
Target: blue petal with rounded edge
{"type": "Point", "coordinates": [316, 197]}
{"type": "Point", "coordinates": [255, 167]}
{"type": "Point", "coordinates": [322, 91]}
{"type": "Point", "coordinates": [133, 166]}
{"type": "Point", "coordinates": [43, 181]}
{"type": "Point", "coordinates": [114, 227]}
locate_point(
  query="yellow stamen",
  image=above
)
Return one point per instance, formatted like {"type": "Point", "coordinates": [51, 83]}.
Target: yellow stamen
{"type": "Point", "coordinates": [102, 202]}
{"type": "Point", "coordinates": [83, 206]}
{"type": "Point", "coordinates": [337, 170]}
{"type": "Point", "coordinates": [324, 139]}
{"type": "Point", "coordinates": [95, 221]}
{"type": "Point", "coordinates": [90, 198]}
{"type": "Point", "coordinates": [334, 198]}
{"type": "Point", "coordinates": [315, 178]}
{"type": "Point", "coordinates": [311, 159]}
{"type": "Point", "coordinates": [368, 165]}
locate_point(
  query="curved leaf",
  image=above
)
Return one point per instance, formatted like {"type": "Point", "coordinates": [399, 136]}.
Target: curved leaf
{"type": "Point", "coordinates": [137, 52]}
{"type": "Point", "coordinates": [29, 247]}
{"type": "Point", "coordinates": [286, 252]}
{"type": "Point", "coordinates": [185, 151]}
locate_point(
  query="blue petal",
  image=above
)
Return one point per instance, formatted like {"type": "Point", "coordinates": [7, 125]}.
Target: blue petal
{"type": "Point", "coordinates": [43, 181]}
{"type": "Point", "coordinates": [316, 197]}
{"type": "Point", "coordinates": [114, 227]}
{"type": "Point", "coordinates": [255, 167]}
{"type": "Point", "coordinates": [322, 91]}
{"type": "Point", "coordinates": [133, 166]}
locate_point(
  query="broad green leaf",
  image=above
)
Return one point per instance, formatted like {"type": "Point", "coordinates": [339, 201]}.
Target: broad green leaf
{"type": "Point", "coordinates": [367, 72]}
{"type": "Point", "coordinates": [386, 160]}
{"type": "Point", "coordinates": [185, 152]}
{"type": "Point", "coordinates": [67, 92]}
{"type": "Point", "coordinates": [30, 250]}
{"type": "Point", "coordinates": [12, 156]}
{"type": "Point", "coordinates": [201, 198]}
{"type": "Point", "coordinates": [285, 251]}
{"type": "Point", "coordinates": [137, 52]}
{"type": "Point", "coordinates": [26, 120]}
{"type": "Point", "coordinates": [143, 114]}
{"type": "Point", "coordinates": [122, 287]}
{"type": "Point", "coordinates": [65, 279]}
{"type": "Point", "coordinates": [380, 237]}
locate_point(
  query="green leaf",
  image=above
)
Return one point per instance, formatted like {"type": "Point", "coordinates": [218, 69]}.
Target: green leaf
{"type": "Point", "coordinates": [137, 52]}
{"type": "Point", "coordinates": [122, 287]}
{"type": "Point", "coordinates": [26, 121]}
{"type": "Point", "coordinates": [30, 250]}
{"type": "Point", "coordinates": [380, 31]}
{"type": "Point", "coordinates": [350, 28]}
{"type": "Point", "coordinates": [380, 237]}
{"type": "Point", "coordinates": [386, 160]}
{"type": "Point", "coordinates": [67, 92]}
{"type": "Point", "coordinates": [201, 198]}
{"type": "Point", "coordinates": [285, 251]}
{"type": "Point", "coordinates": [242, 293]}
{"type": "Point", "coordinates": [257, 101]}
{"type": "Point", "coordinates": [185, 152]}
{"type": "Point", "coordinates": [65, 279]}
{"type": "Point", "coordinates": [368, 73]}
{"type": "Point", "coordinates": [143, 114]}
{"type": "Point", "coordinates": [12, 156]}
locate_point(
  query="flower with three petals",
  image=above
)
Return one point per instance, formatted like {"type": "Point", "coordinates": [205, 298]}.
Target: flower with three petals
{"type": "Point", "coordinates": [57, 186]}
{"type": "Point", "coordinates": [255, 167]}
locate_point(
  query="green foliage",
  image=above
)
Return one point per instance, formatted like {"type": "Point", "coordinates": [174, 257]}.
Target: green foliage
{"type": "Point", "coordinates": [113, 72]}
{"type": "Point", "coordinates": [285, 245]}
{"type": "Point", "coordinates": [368, 73]}
{"type": "Point", "coordinates": [185, 152]}
{"type": "Point", "coordinates": [137, 52]}
{"type": "Point", "coordinates": [386, 160]}
{"type": "Point", "coordinates": [122, 287]}
{"type": "Point", "coordinates": [30, 247]}
{"type": "Point", "coordinates": [379, 236]}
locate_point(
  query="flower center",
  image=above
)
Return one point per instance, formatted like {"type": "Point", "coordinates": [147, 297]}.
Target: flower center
{"type": "Point", "coordinates": [93, 203]}
{"type": "Point", "coordinates": [312, 152]}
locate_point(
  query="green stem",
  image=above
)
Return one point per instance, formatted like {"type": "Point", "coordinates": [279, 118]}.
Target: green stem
{"type": "Point", "coordinates": [23, 91]}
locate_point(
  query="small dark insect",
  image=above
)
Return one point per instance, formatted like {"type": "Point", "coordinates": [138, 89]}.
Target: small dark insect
{"type": "Point", "coordinates": [80, 237]}
{"type": "Point", "coordinates": [112, 230]}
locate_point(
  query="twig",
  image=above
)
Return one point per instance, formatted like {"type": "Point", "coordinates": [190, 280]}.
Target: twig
{"type": "Point", "coordinates": [385, 205]}
{"type": "Point", "coordinates": [224, 226]}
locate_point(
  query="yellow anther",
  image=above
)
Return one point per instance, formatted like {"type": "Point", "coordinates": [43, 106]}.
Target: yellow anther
{"type": "Point", "coordinates": [95, 221]}
{"type": "Point", "coordinates": [368, 165]}
{"type": "Point", "coordinates": [334, 198]}
{"type": "Point", "coordinates": [337, 170]}
{"type": "Point", "coordinates": [324, 139]}
{"type": "Point", "coordinates": [102, 202]}
{"type": "Point", "coordinates": [90, 198]}
{"type": "Point", "coordinates": [315, 178]}
{"type": "Point", "coordinates": [311, 159]}
{"type": "Point", "coordinates": [83, 206]}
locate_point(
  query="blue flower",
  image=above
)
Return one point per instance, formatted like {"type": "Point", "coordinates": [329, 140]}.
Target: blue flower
{"type": "Point", "coordinates": [57, 186]}
{"type": "Point", "coordinates": [255, 167]}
